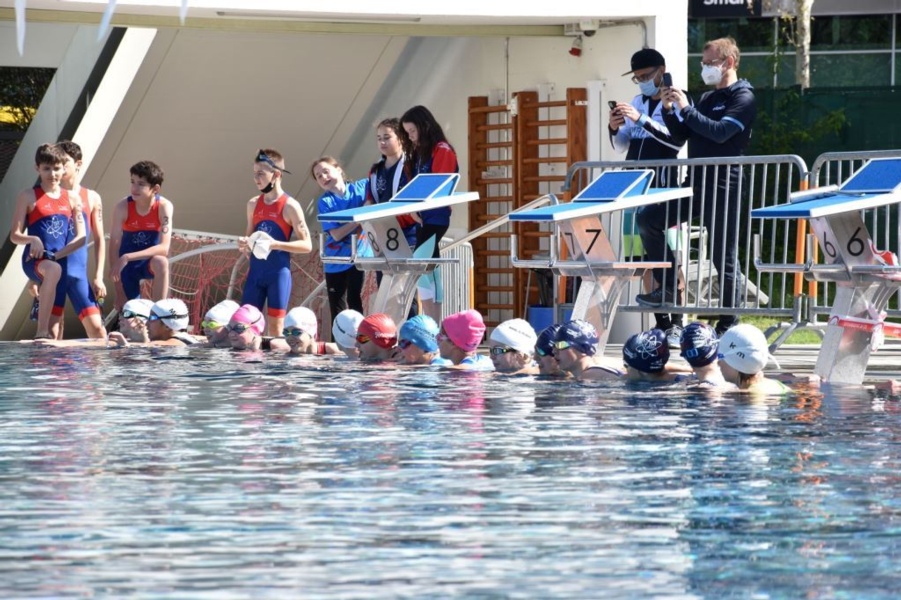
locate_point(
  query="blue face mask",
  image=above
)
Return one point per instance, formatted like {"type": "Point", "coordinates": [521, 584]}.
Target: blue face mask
{"type": "Point", "coordinates": [649, 88]}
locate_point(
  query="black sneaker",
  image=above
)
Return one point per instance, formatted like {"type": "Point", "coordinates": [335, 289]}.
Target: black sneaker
{"type": "Point", "coordinates": [659, 297]}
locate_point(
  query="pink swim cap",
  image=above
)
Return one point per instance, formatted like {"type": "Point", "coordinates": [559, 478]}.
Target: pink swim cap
{"type": "Point", "coordinates": [250, 315]}
{"type": "Point", "coordinates": [465, 329]}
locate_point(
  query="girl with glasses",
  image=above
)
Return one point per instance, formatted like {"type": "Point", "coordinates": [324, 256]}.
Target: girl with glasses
{"type": "Point", "coordinates": [513, 347]}
{"type": "Point", "coordinates": [576, 348]}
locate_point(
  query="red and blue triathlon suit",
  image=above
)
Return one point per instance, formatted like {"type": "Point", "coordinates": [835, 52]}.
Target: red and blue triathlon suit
{"type": "Point", "coordinates": [48, 220]}
{"type": "Point", "coordinates": [269, 281]}
{"type": "Point", "coordinates": [139, 232]}
{"type": "Point", "coordinates": [75, 280]}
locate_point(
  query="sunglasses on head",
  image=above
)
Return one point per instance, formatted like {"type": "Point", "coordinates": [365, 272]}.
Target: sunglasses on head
{"type": "Point", "coordinates": [500, 350]}
{"type": "Point", "coordinates": [293, 332]}
{"type": "Point", "coordinates": [264, 158]}
{"type": "Point", "coordinates": [130, 314]}
{"type": "Point", "coordinates": [362, 339]}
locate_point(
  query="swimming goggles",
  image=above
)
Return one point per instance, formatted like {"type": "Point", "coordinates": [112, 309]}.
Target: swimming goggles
{"type": "Point", "coordinates": [292, 332]}
{"type": "Point", "coordinates": [130, 314]}
{"type": "Point", "coordinates": [500, 350]}
{"type": "Point", "coordinates": [362, 339]}
{"type": "Point", "coordinates": [155, 317]}
{"type": "Point", "coordinates": [541, 352]}
{"type": "Point", "coordinates": [264, 158]}
{"type": "Point", "coordinates": [404, 344]}
{"type": "Point", "coordinates": [210, 325]}
{"type": "Point", "coordinates": [239, 327]}
{"type": "Point", "coordinates": [562, 345]}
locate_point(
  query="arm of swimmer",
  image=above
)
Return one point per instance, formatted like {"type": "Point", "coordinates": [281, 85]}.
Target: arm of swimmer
{"type": "Point", "coordinates": [115, 240]}
{"type": "Point", "coordinates": [302, 244]}
{"type": "Point", "coordinates": [242, 241]}
{"type": "Point", "coordinates": [18, 230]}
{"type": "Point", "coordinates": [99, 243]}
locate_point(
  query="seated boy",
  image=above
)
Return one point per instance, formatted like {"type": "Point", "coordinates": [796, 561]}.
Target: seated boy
{"type": "Point", "coordinates": [140, 236]}
{"type": "Point", "coordinates": [41, 223]}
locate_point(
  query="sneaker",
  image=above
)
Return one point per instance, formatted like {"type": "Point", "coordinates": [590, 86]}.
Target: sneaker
{"type": "Point", "coordinates": [674, 337]}
{"type": "Point", "coordinates": [659, 297]}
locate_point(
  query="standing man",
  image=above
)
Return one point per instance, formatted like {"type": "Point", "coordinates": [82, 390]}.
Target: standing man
{"type": "Point", "coordinates": [719, 126]}
{"type": "Point", "coordinates": [637, 128]}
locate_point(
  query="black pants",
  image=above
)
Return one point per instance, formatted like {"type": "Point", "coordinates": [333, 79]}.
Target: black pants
{"type": "Point", "coordinates": [349, 284]}
{"type": "Point", "coordinates": [715, 202]}
{"type": "Point", "coordinates": [424, 232]}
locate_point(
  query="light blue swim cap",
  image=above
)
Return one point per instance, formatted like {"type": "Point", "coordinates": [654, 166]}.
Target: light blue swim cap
{"type": "Point", "coordinates": [422, 330]}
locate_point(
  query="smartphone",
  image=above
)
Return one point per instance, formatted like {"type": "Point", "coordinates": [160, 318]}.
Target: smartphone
{"type": "Point", "coordinates": [611, 104]}
{"type": "Point", "coordinates": [667, 80]}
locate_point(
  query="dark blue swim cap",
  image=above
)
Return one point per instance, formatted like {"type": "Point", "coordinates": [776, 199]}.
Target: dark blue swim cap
{"type": "Point", "coordinates": [647, 351]}
{"type": "Point", "coordinates": [581, 335]}
{"type": "Point", "coordinates": [545, 344]}
{"type": "Point", "coordinates": [699, 344]}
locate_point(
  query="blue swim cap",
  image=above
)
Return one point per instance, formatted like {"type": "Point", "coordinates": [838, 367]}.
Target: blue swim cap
{"type": "Point", "coordinates": [699, 344]}
{"type": "Point", "coordinates": [581, 335]}
{"type": "Point", "coordinates": [422, 330]}
{"type": "Point", "coordinates": [647, 351]}
{"type": "Point", "coordinates": [545, 344]}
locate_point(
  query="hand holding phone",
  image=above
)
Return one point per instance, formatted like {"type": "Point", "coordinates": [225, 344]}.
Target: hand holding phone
{"type": "Point", "coordinates": [611, 104]}
{"type": "Point", "coordinates": [667, 80]}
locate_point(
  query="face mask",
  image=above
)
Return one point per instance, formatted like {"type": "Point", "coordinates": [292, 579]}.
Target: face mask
{"type": "Point", "coordinates": [648, 88]}
{"type": "Point", "coordinates": [711, 74]}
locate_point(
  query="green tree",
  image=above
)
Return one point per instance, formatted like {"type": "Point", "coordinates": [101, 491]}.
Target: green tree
{"type": "Point", "coordinates": [21, 91]}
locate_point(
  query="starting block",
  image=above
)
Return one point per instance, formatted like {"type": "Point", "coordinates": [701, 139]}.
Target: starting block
{"type": "Point", "coordinates": [865, 277]}
{"type": "Point", "coordinates": [591, 254]}
{"type": "Point", "coordinates": [400, 264]}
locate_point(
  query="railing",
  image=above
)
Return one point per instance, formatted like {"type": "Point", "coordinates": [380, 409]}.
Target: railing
{"type": "Point", "coordinates": [761, 181]}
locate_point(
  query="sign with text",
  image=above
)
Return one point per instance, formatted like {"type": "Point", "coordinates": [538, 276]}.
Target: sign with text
{"type": "Point", "coordinates": [725, 8]}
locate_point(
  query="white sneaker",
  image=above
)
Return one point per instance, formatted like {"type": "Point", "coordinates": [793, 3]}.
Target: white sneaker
{"type": "Point", "coordinates": [674, 337]}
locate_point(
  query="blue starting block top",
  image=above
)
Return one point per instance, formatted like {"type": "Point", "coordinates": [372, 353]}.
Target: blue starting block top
{"type": "Point", "coordinates": [611, 191]}
{"type": "Point", "coordinates": [424, 192]}
{"type": "Point", "coordinates": [877, 183]}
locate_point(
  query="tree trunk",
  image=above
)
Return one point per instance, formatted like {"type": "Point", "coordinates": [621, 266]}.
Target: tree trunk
{"type": "Point", "coordinates": [802, 42]}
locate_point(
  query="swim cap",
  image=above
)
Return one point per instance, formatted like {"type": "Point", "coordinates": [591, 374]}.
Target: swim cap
{"type": "Point", "coordinates": [544, 345]}
{"type": "Point", "coordinates": [172, 312]}
{"type": "Point", "coordinates": [699, 344]}
{"type": "Point", "coordinates": [221, 313]}
{"type": "Point", "coordinates": [581, 335]}
{"type": "Point", "coordinates": [647, 351]}
{"type": "Point", "coordinates": [344, 329]}
{"type": "Point", "coordinates": [745, 349]}
{"type": "Point", "coordinates": [250, 315]}
{"type": "Point", "coordinates": [422, 330]}
{"type": "Point", "coordinates": [139, 306]}
{"type": "Point", "coordinates": [516, 334]}
{"type": "Point", "coordinates": [465, 329]}
{"type": "Point", "coordinates": [303, 318]}
{"type": "Point", "coordinates": [380, 329]}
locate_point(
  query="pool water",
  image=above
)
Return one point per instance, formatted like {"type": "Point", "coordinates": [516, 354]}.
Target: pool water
{"type": "Point", "coordinates": [206, 473]}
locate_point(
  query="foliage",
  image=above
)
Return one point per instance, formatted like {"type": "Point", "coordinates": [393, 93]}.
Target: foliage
{"type": "Point", "coordinates": [785, 130]}
{"type": "Point", "coordinates": [21, 91]}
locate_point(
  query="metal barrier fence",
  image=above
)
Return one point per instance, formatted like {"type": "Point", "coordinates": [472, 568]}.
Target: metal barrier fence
{"type": "Point", "coordinates": [760, 181]}
{"type": "Point", "coordinates": [833, 168]}
{"type": "Point", "coordinates": [456, 277]}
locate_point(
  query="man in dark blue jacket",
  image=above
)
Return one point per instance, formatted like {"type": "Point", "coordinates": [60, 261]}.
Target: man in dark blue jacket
{"type": "Point", "coordinates": [719, 125]}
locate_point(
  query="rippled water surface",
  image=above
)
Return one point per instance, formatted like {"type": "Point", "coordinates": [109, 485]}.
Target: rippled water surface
{"type": "Point", "coordinates": [204, 473]}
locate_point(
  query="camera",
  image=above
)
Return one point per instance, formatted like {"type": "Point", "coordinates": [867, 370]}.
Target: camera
{"type": "Point", "coordinates": [611, 104]}
{"type": "Point", "coordinates": [588, 27]}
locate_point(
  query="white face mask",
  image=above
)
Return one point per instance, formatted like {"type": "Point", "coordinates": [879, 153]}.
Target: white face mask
{"type": "Point", "coordinates": [711, 74]}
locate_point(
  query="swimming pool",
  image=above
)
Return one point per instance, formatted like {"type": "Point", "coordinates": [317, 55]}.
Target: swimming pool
{"type": "Point", "coordinates": [203, 473]}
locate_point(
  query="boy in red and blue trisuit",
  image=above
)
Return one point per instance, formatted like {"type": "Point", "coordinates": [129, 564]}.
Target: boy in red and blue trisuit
{"type": "Point", "coordinates": [279, 215]}
{"type": "Point", "coordinates": [41, 223]}
{"type": "Point", "coordinates": [140, 236]}
{"type": "Point", "coordinates": [84, 297]}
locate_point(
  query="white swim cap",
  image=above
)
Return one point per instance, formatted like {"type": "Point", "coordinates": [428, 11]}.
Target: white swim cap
{"type": "Point", "coordinates": [745, 349]}
{"type": "Point", "coordinates": [516, 334]}
{"type": "Point", "coordinates": [344, 329]}
{"type": "Point", "coordinates": [139, 306]}
{"type": "Point", "coordinates": [303, 318]}
{"type": "Point", "coordinates": [221, 313]}
{"type": "Point", "coordinates": [172, 312]}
